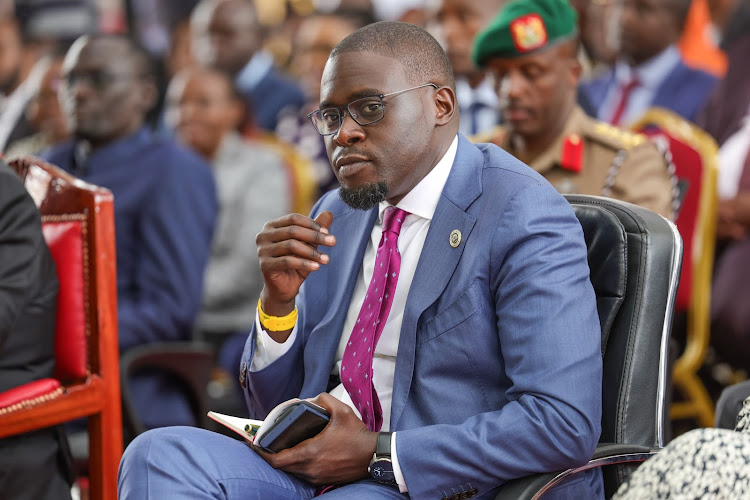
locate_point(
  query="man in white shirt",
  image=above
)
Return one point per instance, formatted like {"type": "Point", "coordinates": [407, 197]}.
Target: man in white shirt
{"type": "Point", "coordinates": [481, 354]}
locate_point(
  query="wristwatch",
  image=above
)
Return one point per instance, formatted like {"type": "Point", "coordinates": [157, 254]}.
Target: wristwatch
{"type": "Point", "coordinates": [381, 467]}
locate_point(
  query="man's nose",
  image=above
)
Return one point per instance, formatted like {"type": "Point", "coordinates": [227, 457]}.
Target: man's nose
{"type": "Point", "coordinates": [349, 131]}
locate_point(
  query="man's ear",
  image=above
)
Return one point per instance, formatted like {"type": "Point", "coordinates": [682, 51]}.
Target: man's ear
{"type": "Point", "coordinates": [445, 105]}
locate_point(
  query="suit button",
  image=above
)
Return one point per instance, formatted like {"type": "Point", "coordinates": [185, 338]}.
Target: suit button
{"type": "Point", "coordinates": [243, 375]}
{"type": "Point", "coordinates": [473, 492]}
{"type": "Point", "coordinates": [465, 495]}
{"type": "Point", "coordinates": [456, 496]}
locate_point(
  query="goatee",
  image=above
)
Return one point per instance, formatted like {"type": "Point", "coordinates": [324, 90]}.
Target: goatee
{"type": "Point", "coordinates": [364, 197]}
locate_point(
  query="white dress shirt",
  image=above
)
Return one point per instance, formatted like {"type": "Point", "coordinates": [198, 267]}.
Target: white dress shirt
{"type": "Point", "coordinates": [421, 203]}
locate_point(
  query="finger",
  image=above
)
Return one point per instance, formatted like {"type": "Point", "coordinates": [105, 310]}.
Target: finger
{"type": "Point", "coordinates": [285, 263]}
{"type": "Point", "coordinates": [324, 219]}
{"type": "Point", "coordinates": [296, 248]}
{"type": "Point", "coordinates": [312, 237]}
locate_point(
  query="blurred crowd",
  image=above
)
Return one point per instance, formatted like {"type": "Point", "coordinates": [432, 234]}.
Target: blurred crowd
{"type": "Point", "coordinates": [194, 113]}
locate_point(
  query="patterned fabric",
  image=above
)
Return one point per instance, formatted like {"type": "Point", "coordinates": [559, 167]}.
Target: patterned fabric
{"type": "Point", "coordinates": [701, 464]}
{"type": "Point", "coordinates": [356, 367]}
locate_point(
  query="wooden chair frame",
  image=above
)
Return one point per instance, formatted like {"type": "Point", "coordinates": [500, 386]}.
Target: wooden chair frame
{"type": "Point", "coordinates": [97, 396]}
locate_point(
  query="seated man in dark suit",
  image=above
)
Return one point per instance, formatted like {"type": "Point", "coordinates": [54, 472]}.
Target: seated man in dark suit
{"type": "Point", "coordinates": [34, 465]}
{"type": "Point", "coordinates": [649, 71]}
{"type": "Point", "coordinates": [447, 322]}
{"type": "Point", "coordinates": [165, 203]}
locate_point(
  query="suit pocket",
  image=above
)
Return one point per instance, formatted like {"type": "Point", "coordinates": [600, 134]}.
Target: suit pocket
{"type": "Point", "coordinates": [452, 316]}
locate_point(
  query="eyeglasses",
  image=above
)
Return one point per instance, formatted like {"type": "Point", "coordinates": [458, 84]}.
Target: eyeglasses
{"type": "Point", "coordinates": [364, 111]}
{"type": "Point", "coordinates": [97, 80]}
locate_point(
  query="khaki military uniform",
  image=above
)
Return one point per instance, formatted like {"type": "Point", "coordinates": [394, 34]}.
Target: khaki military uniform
{"type": "Point", "coordinates": [593, 157]}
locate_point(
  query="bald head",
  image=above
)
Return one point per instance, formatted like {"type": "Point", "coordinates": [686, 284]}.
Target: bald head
{"type": "Point", "coordinates": [420, 54]}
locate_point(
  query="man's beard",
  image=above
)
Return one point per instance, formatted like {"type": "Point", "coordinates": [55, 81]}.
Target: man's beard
{"type": "Point", "coordinates": [364, 197]}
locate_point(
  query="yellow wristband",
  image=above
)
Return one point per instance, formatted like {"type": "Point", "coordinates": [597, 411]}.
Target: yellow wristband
{"type": "Point", "coordinates": [277, 323]}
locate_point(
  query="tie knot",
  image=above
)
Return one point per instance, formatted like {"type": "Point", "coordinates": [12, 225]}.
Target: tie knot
{"type": "Point", "coordinates": [393, 218]}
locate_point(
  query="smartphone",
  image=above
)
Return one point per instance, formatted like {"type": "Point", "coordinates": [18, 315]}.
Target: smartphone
{"type": "Point", "coordinates": [295, 424]}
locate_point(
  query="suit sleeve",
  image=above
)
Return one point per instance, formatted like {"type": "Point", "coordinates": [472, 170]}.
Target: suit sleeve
{"type": "Point", "coordinates": [176, 229]}
{"type": "Point", "coordinates": [20, 237]}
{"type": "Point", "coordinates": [543, 310]}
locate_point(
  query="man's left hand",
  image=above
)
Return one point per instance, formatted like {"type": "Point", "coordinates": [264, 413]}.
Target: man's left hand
{"type": "Point", "coordinates": [340, 454]}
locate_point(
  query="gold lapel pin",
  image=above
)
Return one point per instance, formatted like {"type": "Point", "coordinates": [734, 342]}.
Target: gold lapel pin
{"type": "Point", "coordinates": [455, 238]}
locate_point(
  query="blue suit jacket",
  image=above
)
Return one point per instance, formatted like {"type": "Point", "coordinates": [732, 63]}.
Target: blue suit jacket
{"type": "Point", "coordinates": [165, 212]}
{"type": "Point", "coordinates": [683, 91]}
{"type": "Point", "coordinates": [498, 372]}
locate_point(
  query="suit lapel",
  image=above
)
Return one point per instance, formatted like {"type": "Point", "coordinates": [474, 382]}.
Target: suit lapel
{"type": "Point", "coordinates": [352, 230]}
{"type": "Point", "coordinates": [461, 189]}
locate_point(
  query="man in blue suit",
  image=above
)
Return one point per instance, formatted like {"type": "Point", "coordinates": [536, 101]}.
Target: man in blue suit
{"type": "Point", "coordinates": [488, 363]}
{"type": "Point", "coordinates": [227, 36]}
{"type": "Point", "coordinates": [650, 71]}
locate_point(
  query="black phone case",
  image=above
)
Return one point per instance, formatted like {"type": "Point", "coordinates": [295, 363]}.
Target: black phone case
{"type": "Point", "coordinates": [297, 423]}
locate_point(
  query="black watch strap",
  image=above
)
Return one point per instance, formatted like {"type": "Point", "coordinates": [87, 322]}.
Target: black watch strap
{"type": "Point", "coordinates": [383, 448]}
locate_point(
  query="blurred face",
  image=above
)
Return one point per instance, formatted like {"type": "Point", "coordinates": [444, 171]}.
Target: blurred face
{"type": "Point", "coordinates": [386, 159]}
{"type": "Point", "coordinates": [648, 27]}
{"type": "Point", "coordinates": [44, 112]}
{"type": "Point", "coordinates": [10, 55]}
{"type": "Point", "coordinates": [103, 95]}
{"type": "Point", "coordinates": [201, 110]}
{"type": "Point", "coordinates": [315, 39]}
{"type": "Point", "coordinates": [459, 21]}
{"type": "Point", "coordinates": [537, 91]}
{"type": "Point", "coordinates": [225, 35]}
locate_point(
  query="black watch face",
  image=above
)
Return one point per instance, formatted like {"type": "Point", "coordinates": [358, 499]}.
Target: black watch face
{"type": "Point", "coordinates": [382, 470]}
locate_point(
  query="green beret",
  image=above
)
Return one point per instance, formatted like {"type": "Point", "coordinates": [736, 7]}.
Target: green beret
{"type": "Point", "coordinates": [524, 26]}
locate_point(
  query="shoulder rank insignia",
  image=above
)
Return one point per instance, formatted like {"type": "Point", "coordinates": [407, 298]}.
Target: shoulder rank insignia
{"type": "Point", "coordinates": [572, 153]}
{"type": "Point", "coordinates": [628, 139]}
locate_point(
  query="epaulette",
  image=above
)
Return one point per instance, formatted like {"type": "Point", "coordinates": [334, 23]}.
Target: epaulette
{"type": "Point", "coordinates": [615, 137]}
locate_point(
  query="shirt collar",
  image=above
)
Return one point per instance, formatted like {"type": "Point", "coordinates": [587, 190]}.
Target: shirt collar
{"type": "Point", "coordinates": [423, 198]}
{"type": "Point", "coordinates": [254, 71]}
{"type": "Point", "coordinates": [651, 73]}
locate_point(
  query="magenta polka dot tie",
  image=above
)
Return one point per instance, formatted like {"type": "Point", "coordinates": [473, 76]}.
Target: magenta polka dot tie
{"type": "Point", "coordinates": [356, 367]}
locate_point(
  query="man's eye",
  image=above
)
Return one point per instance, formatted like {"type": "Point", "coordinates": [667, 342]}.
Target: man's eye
{"type": "Point", "coordinates": [370, 108]}
{"type": "Point", "coordinates": [330, 117]}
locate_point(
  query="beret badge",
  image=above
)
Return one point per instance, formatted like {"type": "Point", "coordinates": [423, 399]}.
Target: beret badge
{"type": "Point", "coordinates": [528, 33]}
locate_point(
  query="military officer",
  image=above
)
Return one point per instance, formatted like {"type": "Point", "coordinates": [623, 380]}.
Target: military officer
{"type": "Point", "coordinates": [530, 49]}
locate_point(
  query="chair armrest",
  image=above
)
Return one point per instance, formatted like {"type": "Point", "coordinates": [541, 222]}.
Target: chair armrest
{"type": "Point", "coordinates": [190, 362]}
{"type": "Point", "coordinates": [534, 486]}
{"type": "Point", "coordinates": [30, 394]}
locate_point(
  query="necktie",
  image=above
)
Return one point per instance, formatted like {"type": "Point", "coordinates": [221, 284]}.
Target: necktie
{"type": "Point", "coordinates": [625, 92]}
{"type": "Point", "coordinates": [356, 367]}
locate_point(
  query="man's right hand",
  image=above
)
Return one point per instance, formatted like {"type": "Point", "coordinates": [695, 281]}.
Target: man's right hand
{"type": "Point", "coordinates": [287, 252]}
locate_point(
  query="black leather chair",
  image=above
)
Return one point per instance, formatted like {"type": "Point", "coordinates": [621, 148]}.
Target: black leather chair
{"type": "Point", "coordinates": [635, 257]}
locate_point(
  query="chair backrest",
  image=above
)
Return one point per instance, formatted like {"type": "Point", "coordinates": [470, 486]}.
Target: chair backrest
{"type": "Point", "coordinates": [76, 222]}
{"type": "Point", "coordinates": [634, 256]}
{"type": "Point", "coordinates": [694, 155]}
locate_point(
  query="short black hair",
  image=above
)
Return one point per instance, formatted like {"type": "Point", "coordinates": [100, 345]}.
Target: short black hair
{"type": "Point", "coordinates": [422, 57]}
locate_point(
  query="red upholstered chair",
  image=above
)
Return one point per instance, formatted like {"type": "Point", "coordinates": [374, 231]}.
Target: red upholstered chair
{"type": "Point", "coordinates": [695, 157]}
{"type": "Point", "coordinates": [78, 225]}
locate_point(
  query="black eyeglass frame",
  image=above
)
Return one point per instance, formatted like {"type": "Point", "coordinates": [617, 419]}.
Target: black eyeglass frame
{"type": "Point", "coordinates": [343, 110]}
